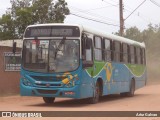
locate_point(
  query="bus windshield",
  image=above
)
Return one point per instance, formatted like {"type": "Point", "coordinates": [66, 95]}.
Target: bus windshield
{"type": "Point", "coordinates": [50, 55]}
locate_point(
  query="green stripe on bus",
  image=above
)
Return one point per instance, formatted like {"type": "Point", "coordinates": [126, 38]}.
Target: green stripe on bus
{"type": "Point", "coordinates": [137, 70]}
{"type": "Point", "coordinates": [98, 66]}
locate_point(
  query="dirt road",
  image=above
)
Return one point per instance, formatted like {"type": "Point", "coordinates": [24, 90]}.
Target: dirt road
{"type": "Point", "coordinates": [145, 99]}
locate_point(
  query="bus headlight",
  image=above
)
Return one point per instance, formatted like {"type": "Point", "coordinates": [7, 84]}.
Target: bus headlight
{"type": "Point", "coordinates": [26, 82]}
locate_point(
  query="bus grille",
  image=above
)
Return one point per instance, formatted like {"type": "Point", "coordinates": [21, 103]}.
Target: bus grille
{"type": "Point", "coordinates": [48, 85]}
{"type": "Point", "coordinates": [47, 91]}
{"type": "Point", "coordinates": [47, 78]}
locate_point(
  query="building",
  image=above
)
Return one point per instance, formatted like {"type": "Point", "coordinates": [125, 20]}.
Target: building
{"type": "Point", "coordinates": [9, 82]}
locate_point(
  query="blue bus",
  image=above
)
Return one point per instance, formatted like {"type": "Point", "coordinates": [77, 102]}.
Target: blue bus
{"type": "Point", "coordinates": [74, 61]}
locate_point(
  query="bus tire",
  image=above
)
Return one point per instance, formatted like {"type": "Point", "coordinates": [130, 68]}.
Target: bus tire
{"type": "Point", "coordinates": [96, 94]}
{"type": "Point", "coordinates": [132, 89]}
{"type": "Point", "coordinates": [48, 100]}
{"type": "Point", "coordinates": [123, 94]}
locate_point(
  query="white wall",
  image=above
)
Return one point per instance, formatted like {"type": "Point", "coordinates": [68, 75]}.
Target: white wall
{"type": "Point", "coordinates": [10, 43]}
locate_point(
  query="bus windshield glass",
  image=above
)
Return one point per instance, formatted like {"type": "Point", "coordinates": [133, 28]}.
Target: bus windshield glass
{"type": "Point", "coordinates": [50, 55]}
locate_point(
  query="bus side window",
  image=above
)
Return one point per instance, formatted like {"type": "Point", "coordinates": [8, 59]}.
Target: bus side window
{"type": "Point", "coordinates": [98, 48]}
{"type": "Point", "coordinates": [138, 55]}
{"type": "Point", "coordinates": [143, 59]}
{"type": "Point", "coordinates": [87, 51]}
{"type": "Point", "coordinates": [117, 51]}
{"type": "Point", "coordinates": [132, 54]}
{"type": "Point", "coordinates": [144, 56]}
{"type": "Point", "coordinates": [125, 53]}
{"type": "Point", "coordinates": [107, 49]}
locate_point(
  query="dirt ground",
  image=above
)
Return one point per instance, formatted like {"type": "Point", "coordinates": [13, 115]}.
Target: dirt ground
{"type": "Point", "coordinates": [145, 99]}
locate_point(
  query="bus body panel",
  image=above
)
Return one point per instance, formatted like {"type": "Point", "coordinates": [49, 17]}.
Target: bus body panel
{"type": "Point", "coordinates": [83, 87]}
{"type": "Point", "coordinates": [81, 83]}
{"type": "Point", "coordinates": [116, 79]}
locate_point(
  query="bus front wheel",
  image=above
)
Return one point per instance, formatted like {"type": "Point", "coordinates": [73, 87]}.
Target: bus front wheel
{"type": "Point", "coordinates": [48, 100]}
{"type": "Point", "coordinates": [96, 94]}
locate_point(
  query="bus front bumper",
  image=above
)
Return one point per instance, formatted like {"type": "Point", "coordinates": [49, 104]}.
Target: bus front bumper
{"type": "Point", "coordinates": [69, 92]}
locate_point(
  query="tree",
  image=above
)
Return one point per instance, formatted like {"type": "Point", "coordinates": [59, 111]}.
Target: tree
{"type": "Point", "coordinates": [60, 11]}
{"type": "Point", "coordinates": [52, 11]}
{"type": "Point", "coordinates": [133, 33]}
{"type": "Point", "coordinates": [151, 37]}
{"type": "Point", "coordinates": [27, 12]}
{"type": "Point", "coordinates": [6, 27]}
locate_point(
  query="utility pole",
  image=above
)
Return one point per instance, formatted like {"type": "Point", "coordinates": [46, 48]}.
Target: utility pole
{"type": "Point", "coordinates": [121, 17]}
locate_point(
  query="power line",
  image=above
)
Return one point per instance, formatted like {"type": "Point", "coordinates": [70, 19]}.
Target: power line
{"type": "Point", "coordinates": [135, 9]}
{"type": "Point", "coordinates": [111, 3]}
{"type": "Point", "coordinates": [155, 3]}
{"type": "Point", "coordinates": [92, 14]}
{"type": "Point", "coordinates": [114, 1]}
{"type": "Point", "coordinates": [140, 15]}
{"type": "Point", "coordinates": [94, 20]}
{"type": "Point", "coordinates": [97, 8]}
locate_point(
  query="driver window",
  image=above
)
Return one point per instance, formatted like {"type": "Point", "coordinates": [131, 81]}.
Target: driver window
{"type": "Point", "coordinates": [88, 54]}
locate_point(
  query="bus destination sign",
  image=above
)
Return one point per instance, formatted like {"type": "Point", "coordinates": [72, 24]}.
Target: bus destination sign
{"type": "Point", "coordinates": [52, 31]}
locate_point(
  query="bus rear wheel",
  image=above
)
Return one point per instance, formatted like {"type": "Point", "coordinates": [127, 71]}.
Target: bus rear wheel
{"type": "Point", "coordinates": [131, 91]}
{"type": "Point", "coordinates": [49, 100]}
{"type": "Point", "coordinates": [96, 95]}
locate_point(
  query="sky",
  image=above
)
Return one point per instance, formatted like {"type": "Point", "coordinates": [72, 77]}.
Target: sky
{"type": "Point", "coordinates": [107, 12]}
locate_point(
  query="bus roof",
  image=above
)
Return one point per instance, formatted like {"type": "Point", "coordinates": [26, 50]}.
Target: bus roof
{"type": "Point", "coordinates": [96, 32]}
{"type": "Point", "coordinates": [55, 24]}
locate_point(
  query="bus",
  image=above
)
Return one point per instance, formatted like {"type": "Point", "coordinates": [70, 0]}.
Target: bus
{"type": "Point", "coordinates": [75, 61]}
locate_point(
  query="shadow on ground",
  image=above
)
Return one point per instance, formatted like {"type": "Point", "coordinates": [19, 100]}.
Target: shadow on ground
{"type": "Point", "coordinates": [84, 102]}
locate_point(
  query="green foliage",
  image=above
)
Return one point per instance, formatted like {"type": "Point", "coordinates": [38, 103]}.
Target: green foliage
{"type": "Point", "coordinates": [6, 27]}
{"type": "Point", "coordinates": [60, 11]}
{"type": "Point", "coordinates": [27, 12]}
{"type": "Point", "coordinates": [133, 33]}
{"type": "Point", "coordinates": [24, 18]}
{"type": "Point", "coordinates": [151, 37]}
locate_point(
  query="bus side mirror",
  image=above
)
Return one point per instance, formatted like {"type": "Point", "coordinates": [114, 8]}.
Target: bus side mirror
{"type": "Point", "coordinates": [88, 43]}
{"type": "Point", "coordinates": [14, 47]}
{"type": "Point", "coordinates": [88, 62]}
